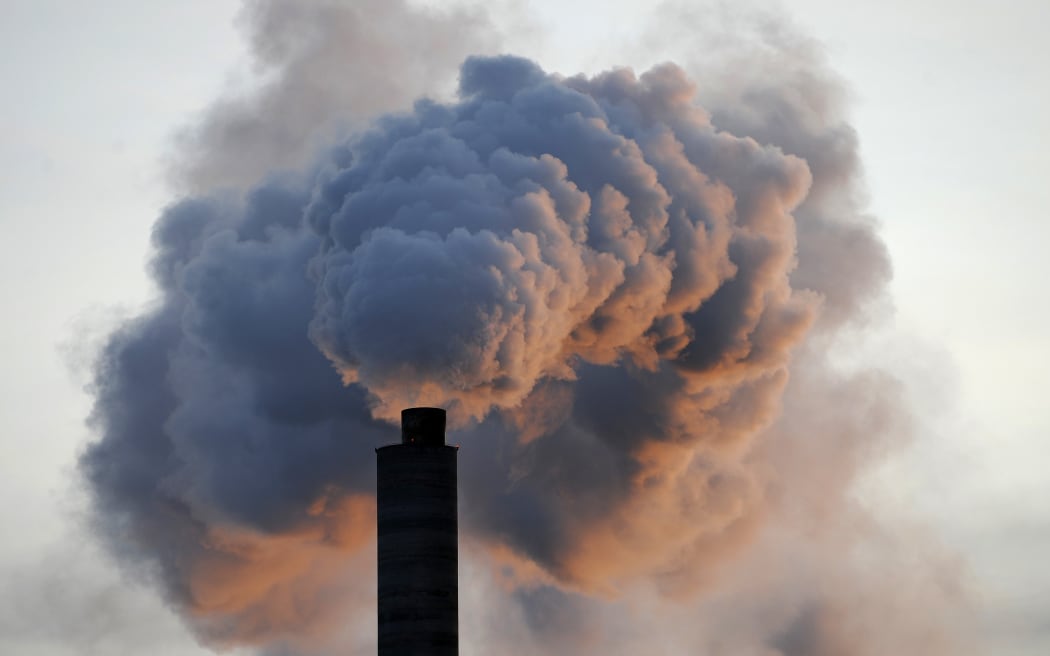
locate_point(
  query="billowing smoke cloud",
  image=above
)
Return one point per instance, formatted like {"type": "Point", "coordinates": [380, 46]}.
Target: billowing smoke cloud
{"type": "Point", "coordinates": [610, 288]}
{"type": "Point", "coordinates": [542, 228]}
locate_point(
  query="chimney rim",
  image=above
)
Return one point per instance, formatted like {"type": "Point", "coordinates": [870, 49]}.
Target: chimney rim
{"type": "Point", "coordinates": [423, 426]}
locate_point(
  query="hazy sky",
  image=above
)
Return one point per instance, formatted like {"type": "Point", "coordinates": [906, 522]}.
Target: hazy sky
{"type": "Point", "coordinates": [952, 108]}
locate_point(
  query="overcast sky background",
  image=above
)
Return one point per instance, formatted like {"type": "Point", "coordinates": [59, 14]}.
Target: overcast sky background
{"type": "Point", "coordinates": [952, 106]}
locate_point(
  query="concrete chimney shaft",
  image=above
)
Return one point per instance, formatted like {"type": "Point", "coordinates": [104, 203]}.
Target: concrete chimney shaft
{"type": "Point", "coordinates": [417, 540]}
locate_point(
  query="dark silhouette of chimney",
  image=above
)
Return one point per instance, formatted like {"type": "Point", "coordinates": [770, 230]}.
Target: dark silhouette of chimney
{"type": "Point", "coordinates": [418, 543]}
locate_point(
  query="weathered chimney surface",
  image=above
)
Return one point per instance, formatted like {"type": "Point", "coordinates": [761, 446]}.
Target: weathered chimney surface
{"type": "Point", "coordinates": [418, 563]}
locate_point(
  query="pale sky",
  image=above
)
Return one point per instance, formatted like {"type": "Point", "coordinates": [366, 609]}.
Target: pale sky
{"type": "Point", "coordinates": [952, 106]}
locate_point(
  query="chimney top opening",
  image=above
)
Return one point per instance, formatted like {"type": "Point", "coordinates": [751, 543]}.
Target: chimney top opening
{"type": "Point", "coordinates": [423, 426]}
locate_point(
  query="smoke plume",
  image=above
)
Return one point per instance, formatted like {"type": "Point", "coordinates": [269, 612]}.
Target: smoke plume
{"type": "Point", "coordinates": [608, 286]}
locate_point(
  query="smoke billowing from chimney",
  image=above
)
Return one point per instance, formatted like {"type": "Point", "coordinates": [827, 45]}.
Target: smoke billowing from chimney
{"type": "Point", "coordinates": [606, 285]}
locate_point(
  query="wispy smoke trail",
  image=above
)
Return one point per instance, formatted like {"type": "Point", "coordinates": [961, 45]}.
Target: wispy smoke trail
{"type": "Point", "coordinates": [326, 67]}
{"type": "Point", "coordinates": [606, 284]}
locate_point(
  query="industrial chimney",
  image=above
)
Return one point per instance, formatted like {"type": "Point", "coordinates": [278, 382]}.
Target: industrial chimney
{"type": "Point", "coordinates": [418, 542]}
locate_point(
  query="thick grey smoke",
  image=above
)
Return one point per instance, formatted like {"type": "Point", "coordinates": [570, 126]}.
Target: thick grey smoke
{"type": "Point", "coordinates": [610, 289]}
{"type": "Point", "coordinates": [542, 223]}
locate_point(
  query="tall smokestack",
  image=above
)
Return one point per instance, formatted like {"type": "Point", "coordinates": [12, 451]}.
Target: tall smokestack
{"type": "Point", "coordinates": [418, 542]}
